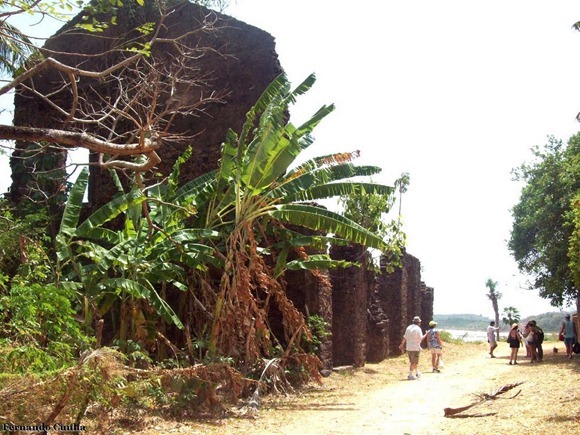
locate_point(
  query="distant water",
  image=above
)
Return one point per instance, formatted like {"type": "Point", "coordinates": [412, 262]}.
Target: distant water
{"type": "Point", "coordinates": [472, 335]}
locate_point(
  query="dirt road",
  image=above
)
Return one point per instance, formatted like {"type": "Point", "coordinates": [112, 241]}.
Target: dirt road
{"type": "Point", "coordinates": [378, 399]}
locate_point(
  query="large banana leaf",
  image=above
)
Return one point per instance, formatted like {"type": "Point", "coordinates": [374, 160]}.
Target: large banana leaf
{"type": "Point", "coordinates": [318, 263]}
{"type": "Point", "coordinates": [329, 160]}
{"type": "Point", "coordinates": [277, 143]}
{"type": "Point", "coordinates": [333, 190]}
{"type": "Point", "coordinates": [197, 190]}
{"type": "Point", "coordinates": [109, 212]}
{"type": "Point", "coordinates": [74, 204]}
{"type": "Point", "coordinates": [319, 219]}
{"type": "Point", "coordinates": [140, 291]}
{"type": "Point", "coordinates": [308, 180]}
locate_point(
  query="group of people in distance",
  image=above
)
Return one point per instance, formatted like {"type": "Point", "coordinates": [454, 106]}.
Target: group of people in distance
{"type": "Point", "coordinates": [532, 335]}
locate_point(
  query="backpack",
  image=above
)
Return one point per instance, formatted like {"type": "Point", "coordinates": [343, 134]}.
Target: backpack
{"type": "Point", "coordinates": [540, 335]}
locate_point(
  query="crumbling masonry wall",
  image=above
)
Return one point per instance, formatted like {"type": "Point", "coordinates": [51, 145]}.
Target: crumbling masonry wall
{"type": "Point", "coordinates": [371, 312]}
{"type": "Point", "coordinates": [350, 287]}
{"type": "Point", "coordinates": [235, 59]}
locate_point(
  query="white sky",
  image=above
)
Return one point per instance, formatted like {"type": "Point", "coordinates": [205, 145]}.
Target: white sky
{"type": "Point", "coordinates": [455, 92]}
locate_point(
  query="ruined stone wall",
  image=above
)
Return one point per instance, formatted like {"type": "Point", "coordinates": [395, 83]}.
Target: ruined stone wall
{"type": "Point", "coordinates": [393, 297]}
{"type": "Point", "coordinates": [311, 293]}
{"type": "Point", "coordinates": [403, 296]}
{"type": "Point", "coordinates": [235, 59]}
{"type": "Point", "coordinates": [388, 302]}
{"type": "Point", "coordinates": [350, 287]}
{"type": "Point", "coordinates": [377, 336]}
{"type": "Point", "coordinates": [427, 299]}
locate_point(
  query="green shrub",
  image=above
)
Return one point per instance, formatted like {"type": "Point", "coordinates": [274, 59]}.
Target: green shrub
{"type": "Point", "coordinates": [39, 330]}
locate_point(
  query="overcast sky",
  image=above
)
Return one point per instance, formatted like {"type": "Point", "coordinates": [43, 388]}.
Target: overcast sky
{"type": "Point", "coordinates": [454, 92]}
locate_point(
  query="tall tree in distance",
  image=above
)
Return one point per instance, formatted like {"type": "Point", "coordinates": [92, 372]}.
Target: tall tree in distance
{"type": "Point", "coordinates": [542, 237]}
{"type": "Point", "coordinates": [511, 315]}
{"type": "Point", "coordinates": [402, 183]}
{"type": "Point", "coordinates": [494, 296]}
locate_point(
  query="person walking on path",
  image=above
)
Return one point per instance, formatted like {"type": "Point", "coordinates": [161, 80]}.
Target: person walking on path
{"type": "Point", "coordinates": [539, 340]}
{"type": "Point", "coordinates": [491, 338]}
{"type": "Point", "coordinates": [412, 343]}
{"type": "Point", "coordinates": [530, 334]}
{"type": "Point", "coordinates": [515, 341]}
{"type": "Point", "coordinates": [434, 344]}
{"type": "Point", "coordinates": [569, 331]}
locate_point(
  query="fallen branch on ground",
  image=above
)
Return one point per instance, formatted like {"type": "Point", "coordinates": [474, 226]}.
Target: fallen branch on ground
{"type": "Point", "coordinates": [449, 412]}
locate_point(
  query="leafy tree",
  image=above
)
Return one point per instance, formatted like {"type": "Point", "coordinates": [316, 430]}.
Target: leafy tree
{"type": "Point", "coordinates": [511, 315]}
{"type": "Point", "coordinates": [494, 296]}
{"type": "Point", "coordinates": [574, 248]}
{"type": "Point", "coordinates": [402, 184]}
{"type": "Point", "coordinates": [369, 210]}
{"type": "Point", "coordinates": [543, 232]}
{"type": "Point", "coordinates": [122, 270]}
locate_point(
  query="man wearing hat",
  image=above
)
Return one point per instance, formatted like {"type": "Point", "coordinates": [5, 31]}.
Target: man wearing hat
{"type": "Point", "coordinates": [569, 331]}
{"type": "Point", "coordinates": [412, 342]}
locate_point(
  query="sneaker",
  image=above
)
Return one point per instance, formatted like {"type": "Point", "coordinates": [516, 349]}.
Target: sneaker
{"type": "Point", "coordinates": [436, 370]}
{"type": "Point", "coordinates": [411, 378]}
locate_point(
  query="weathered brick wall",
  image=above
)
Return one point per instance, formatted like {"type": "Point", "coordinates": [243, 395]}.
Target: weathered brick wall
{"type": "Point", "coordinates": [392, 293]}
{"type": "Point", "coordinates": [427, 299]}
{"type": "Point", "coordinates": [311, 293]}
{"type": "Point", "coordinates": [377, 326]}
{"type": "Point", "coordinates": [349, 296]}
{"type": "Point", "coordinates": [403, 296]}
{"type": "Point", "coordinates": [240, 61]}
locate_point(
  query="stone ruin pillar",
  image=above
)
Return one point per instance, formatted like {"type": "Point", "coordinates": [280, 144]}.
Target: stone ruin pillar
{"type": "Point", "coordinates": [350, 287]}
{"type": "Point", "coordinates": [311, 293]}
{"type": "Point", "coordinates": [400, 295]}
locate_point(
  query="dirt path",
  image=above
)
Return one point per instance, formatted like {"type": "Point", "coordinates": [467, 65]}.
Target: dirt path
{"type": "Point", "coordinates": [402, 406]}
{"type": "Point", "coordinates": [378, 399]}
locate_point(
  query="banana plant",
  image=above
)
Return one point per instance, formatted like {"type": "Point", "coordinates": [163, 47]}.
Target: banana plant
{"type": "Point", "coordinates": [256, 189]}
{"type": "Point", "coordinates": [124, 268]}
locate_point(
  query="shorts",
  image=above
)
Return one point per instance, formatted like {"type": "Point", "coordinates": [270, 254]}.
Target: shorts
{"type": "Point", "coordinates": [569, 341]}
{"type": "Point", "coordinates": [413, 356]}
{"type": "Point", "coordinates": [436, 351]}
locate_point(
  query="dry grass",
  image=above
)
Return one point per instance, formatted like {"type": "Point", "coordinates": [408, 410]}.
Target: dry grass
{"type": "Point", "coordinates": [378, 399]}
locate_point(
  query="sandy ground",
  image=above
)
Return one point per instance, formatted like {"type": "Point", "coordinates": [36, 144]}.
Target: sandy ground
{"type": "Point", "coordinates": [378, 399]}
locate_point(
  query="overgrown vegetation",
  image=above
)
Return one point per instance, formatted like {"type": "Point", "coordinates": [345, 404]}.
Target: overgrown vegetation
{"type": "Point", "coordinates": [193, 275]}
{"type": "Point", "coordinates": [171, 296]}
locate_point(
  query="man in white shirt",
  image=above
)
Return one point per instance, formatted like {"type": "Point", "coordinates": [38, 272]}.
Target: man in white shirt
{"type": "Point", "coordinates": [491, 337]}
{"type": "Point", "coordinates": [412, 343]}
